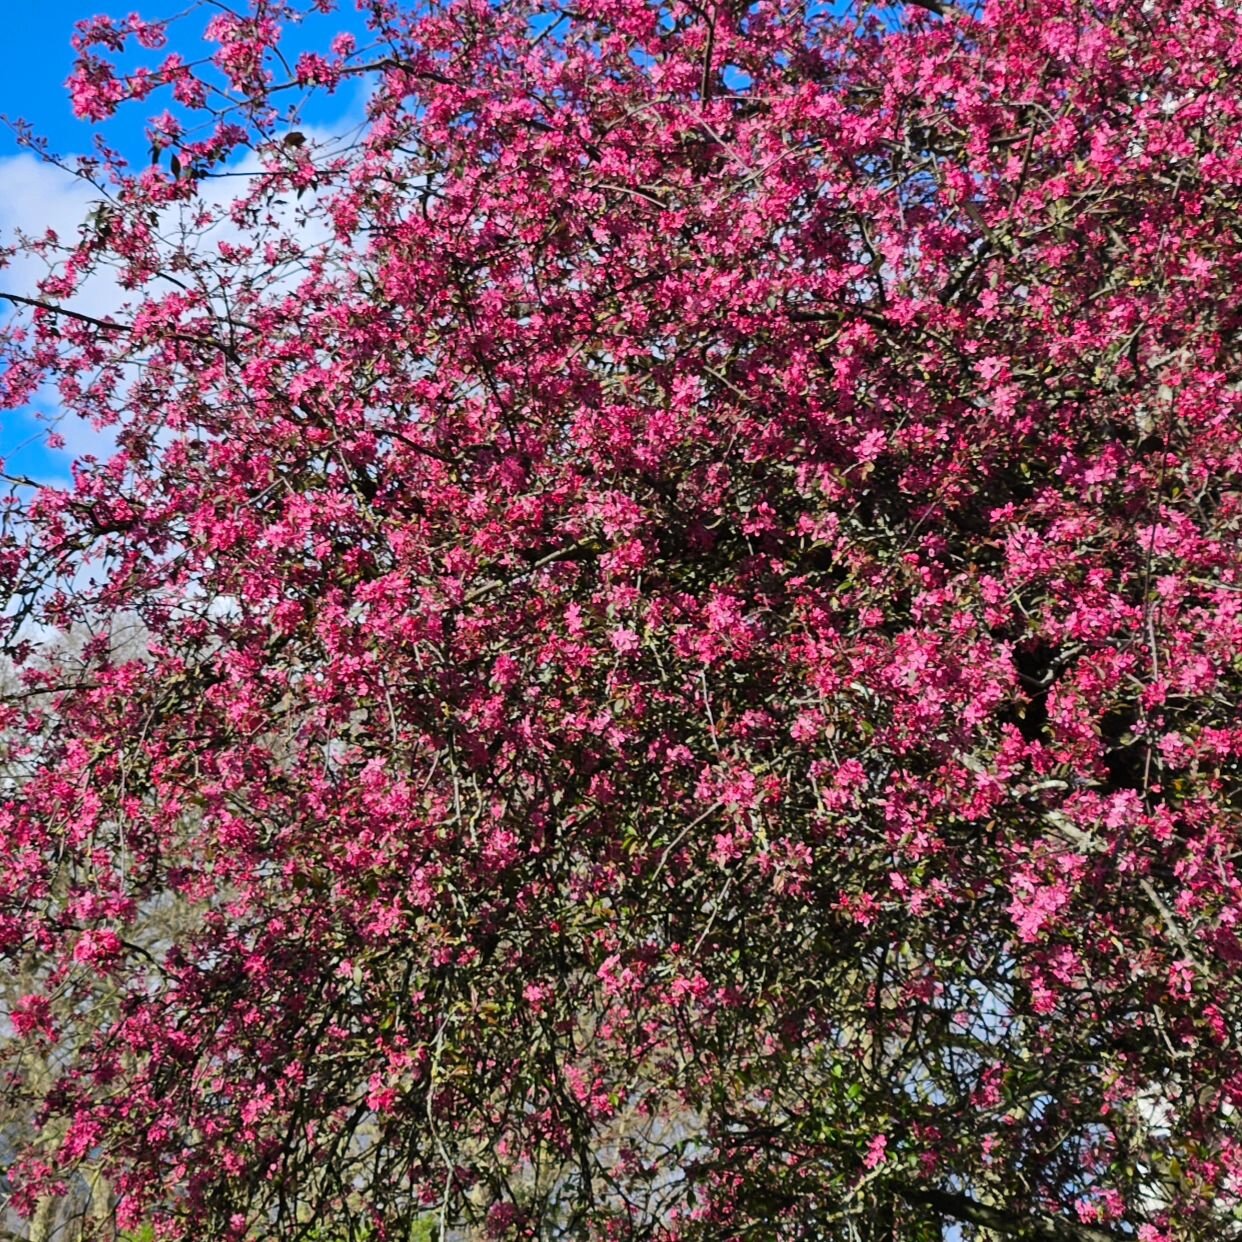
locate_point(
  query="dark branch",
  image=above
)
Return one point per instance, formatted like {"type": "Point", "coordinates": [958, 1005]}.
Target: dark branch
{"type": "Point", "coordinates": [935, 6]}
{"type": "Point", "coordinates": [108, 325]}
{"type": "Point", "coordinates": [18, 300]}
{"type": "Point", "coordinates": [1012, 1224]}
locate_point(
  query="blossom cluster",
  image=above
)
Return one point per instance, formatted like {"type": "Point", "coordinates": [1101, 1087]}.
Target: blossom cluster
{"type": "Point", "coordinates": [689, 606]}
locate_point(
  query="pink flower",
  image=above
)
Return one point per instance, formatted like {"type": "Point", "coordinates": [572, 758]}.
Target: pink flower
{"type": "Point", "coordinates": [624, 641]}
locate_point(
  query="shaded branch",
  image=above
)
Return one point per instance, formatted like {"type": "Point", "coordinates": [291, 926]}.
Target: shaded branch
{"type": "Point", "coordinates": [108, 325]}
{"type": "Point", "coordinates": [1013, 1224]}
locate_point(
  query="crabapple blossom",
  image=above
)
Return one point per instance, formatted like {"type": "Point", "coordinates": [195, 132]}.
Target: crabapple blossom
{"type": "Point", "coordinates": [690, 596]}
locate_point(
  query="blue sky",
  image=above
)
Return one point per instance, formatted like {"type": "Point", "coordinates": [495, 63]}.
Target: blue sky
{"type": "Point", "coordinates": [35, 59]}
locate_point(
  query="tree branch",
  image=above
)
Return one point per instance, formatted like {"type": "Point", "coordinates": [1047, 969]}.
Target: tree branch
{"type": "Point", "coordinates": [18, 300]}
{"type": "Point", "coordinates": [108, 325]}
{"type": "Point", "coordinates": [1013, 1224]}
{"type": "Point", "coordinates": [935, 6]}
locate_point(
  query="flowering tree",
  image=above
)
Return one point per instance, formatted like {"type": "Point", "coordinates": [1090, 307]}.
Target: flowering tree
{"type": "Point", "coordinates": [691, 588]}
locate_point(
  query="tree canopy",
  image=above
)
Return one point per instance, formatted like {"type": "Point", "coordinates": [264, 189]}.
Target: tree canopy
{"type": "Point", "coordinates": [687, 581]}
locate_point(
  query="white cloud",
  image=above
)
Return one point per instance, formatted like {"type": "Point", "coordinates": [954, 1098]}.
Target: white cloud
{"type": "Point", "coordinates": [39, 196]}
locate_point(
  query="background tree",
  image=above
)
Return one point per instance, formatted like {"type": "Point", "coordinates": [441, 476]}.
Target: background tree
{"type": "Point", "coordinates": [81, 1206]}
{"type": "Point", "coordinates": [691, 577]}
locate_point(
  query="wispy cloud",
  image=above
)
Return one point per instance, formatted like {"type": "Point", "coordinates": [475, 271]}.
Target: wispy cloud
{"type": "Point", "coordinates": [38, 196]}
